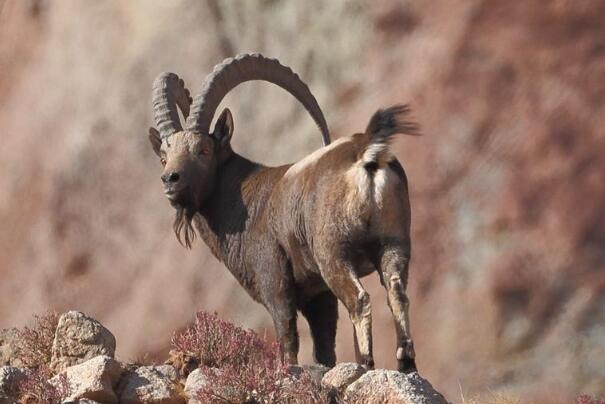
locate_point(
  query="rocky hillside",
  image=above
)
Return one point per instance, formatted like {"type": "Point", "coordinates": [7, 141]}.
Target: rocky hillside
{"type": "Point", "coordinates": [508, 198]}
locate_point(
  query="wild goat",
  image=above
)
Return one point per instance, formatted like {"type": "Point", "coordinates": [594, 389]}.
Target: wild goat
{"type": "Point", "coordinates": [296, 237]}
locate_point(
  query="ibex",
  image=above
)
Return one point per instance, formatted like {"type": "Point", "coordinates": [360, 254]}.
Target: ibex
{"type": "Point", "coordinates": [296, 237]}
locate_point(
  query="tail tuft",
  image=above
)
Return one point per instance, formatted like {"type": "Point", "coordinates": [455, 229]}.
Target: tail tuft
{"type": "Point", "coordinates": [383, 125]}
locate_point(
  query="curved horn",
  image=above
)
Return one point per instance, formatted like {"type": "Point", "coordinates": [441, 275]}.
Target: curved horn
{"type": "Point", "coordinates": [168, 92]}
{"type": "Point", "coordinates": [245, 67]}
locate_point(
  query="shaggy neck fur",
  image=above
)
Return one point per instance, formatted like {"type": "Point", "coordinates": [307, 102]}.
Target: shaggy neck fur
{"type": "Point", "coordinates": [222, 219]}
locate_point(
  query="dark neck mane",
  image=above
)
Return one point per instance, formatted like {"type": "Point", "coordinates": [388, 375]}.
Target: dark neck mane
{"type": "Point", "coordinates": [224, 217]}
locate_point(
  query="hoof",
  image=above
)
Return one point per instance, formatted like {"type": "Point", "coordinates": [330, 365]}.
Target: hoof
{"type": "Point", "coordinates": [368, 363]}
{"type": "Point", "coordinates": [406, 357]}
{"type": "Point", "coordinates": [407, 365]}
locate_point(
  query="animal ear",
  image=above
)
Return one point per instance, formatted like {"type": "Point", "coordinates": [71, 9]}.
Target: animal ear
{"type": "Point", "coordinates": [223, 129]}
{"type": "Point", "coordinates": [156, 142]}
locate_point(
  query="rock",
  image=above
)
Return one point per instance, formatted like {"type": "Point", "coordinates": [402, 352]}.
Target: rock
{"type": "Point", "coordinates": [168, 371]}
{"type": "Point", "coordinates": [198, 380]}
{"type": "Point", "coordinates": [390, 386]}
{"type": "Point", "coordinates": [9, 378]}
{"type": "Point", "coordinates": [342, 375]}
{"type": "Point", "coordinates": [94, 379]}
{"type": "Point", "coordinates": [81, 401]}
{"type": "Point", "coordinates": [150, 384]}
{"type": "Point", "coordinates": [195, 381]}
{"type": "Point", "coordinates": [79, 338]}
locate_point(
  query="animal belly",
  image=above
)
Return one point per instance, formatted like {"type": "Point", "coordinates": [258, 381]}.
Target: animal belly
{"type": "Point", "coordinates": [363, 268]}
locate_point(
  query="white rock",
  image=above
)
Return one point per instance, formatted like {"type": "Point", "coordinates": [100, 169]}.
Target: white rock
{"type": "Point", "coordinates": [150, 384]}
{"type": "Point", "coordinates": [342, 375]}
{"type": "Point", "coordinates": [79, 338]}
{"type": "Point", "coordinates": [94, 379]}
{"type": "Point", "coordinates": [195, 381]}
{"type": "Point", "coordinates": [389, 386]}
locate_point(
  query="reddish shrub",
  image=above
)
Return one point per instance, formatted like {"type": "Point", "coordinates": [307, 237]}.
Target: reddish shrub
{"type": "Point", "coordinates": [241, 367]}
{"type": "Point", "coordinates": [586, 399]}
{"type": "Point", "coordinates": [33, 345]}
{"type": "Point", "coordinates": [263, 378]}
{"type": "Point", "coordinates": [36, 388]}
{"type": "Point", "coordinates": [216, 342]}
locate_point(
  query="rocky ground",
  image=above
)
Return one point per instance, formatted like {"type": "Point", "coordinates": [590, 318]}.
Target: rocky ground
{"type": "Point", "coordinates": [83, 369]}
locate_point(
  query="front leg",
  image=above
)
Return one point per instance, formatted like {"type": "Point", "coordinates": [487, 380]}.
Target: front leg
{"type": "Point", "coordinates": [278, 296]}
{"type": "Point", "coordinates": [284, 321]}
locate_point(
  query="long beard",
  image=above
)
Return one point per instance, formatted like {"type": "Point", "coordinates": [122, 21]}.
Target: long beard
{"type": "Point", "coordinates": [183, 226]}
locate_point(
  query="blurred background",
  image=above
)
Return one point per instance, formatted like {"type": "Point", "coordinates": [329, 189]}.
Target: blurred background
{"type": "Point", "coordinates": [507, 279]}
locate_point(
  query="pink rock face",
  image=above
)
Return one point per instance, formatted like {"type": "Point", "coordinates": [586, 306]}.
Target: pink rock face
{"type": "Point", "coordinates": [508, 198]}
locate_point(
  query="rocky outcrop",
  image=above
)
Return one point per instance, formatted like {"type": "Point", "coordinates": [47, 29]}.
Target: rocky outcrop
{"type": "Point", "coordinates": [103, 379]}
{"type": "Point", "coordinates": [79, 338]}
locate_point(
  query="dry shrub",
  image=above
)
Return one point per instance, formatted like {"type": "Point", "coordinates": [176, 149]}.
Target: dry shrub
{"type": "Point", "coordinates": [36, 387]}
{"type": "Point", "coordinates": [215, 342]}
{"type": "Point", "coordinates": [33, 350]}
{"type": "Point", "coordinates": [586, 399]}
{"type": "Point", "coordinates": [241, 367]}
{"type": "Point", "coordinates": [264, 378]}
{"type": "Point", "coordinates": [33, 345]}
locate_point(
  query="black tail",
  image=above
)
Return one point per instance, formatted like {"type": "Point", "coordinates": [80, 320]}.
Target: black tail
{"type": "Point", "coordinates": [383, 125]}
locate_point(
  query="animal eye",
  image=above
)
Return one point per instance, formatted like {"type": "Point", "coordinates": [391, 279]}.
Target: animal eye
{"type": "Point", "coordinates": [163, 162]}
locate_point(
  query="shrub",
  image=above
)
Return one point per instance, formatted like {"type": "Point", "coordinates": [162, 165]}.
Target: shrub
{"type": "Point", "coordinates": [586, 399]}
{"type": "Point", "coordinates": [33, 346]}
{"type": "Point", "coordinates": [241, 367]}
{"type": "Point", "coordinates": [263, 378]}
{"type": "Point", "coordinates": [36, 387]}
{"type": "Point", "coordinates": [215, 342]}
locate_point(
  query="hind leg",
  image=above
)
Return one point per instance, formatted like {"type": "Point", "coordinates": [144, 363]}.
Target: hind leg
{"type": "Point", "coordinates": [341, 278]}
{"type": "Point", "coordinates": [321, 313]}
{"type": "Point", "coordinates": [394, 273]}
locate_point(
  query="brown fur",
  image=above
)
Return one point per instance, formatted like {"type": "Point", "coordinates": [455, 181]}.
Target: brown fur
{"type": "Point", "coordinates": [299, 237]}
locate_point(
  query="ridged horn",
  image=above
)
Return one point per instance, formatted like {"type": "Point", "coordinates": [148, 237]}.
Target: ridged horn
{"type": "Point", "coordinates": [245, 67]}
{"type": "Point", "coordinates": [168, 92]}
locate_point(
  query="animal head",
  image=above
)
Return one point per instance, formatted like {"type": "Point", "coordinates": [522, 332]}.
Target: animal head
{"type": "Point", "coordinates": [190, 161]}
{"type": "Point", "coordinates": [192, 156]}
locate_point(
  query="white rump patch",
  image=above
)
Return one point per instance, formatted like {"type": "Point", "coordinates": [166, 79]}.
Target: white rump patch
{"type": "Point", "coordinates": [371, 187]}
{"type": "Point", "coordinates": [378, 152]}
{"type": "Point", "coordinates": [383, 179]}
